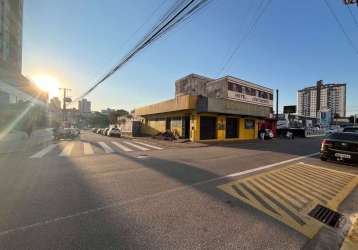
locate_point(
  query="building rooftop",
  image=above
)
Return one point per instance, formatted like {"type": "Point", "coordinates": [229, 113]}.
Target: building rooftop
{"type": "Point", "coordinates": [327, 85]}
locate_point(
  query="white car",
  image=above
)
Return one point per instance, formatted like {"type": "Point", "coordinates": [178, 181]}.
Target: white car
{"type": "Point", "coordinates": [115, 132]}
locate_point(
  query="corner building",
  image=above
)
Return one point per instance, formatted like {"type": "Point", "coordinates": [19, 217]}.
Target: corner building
{"type": "Point", "coordinates": [204, 109]}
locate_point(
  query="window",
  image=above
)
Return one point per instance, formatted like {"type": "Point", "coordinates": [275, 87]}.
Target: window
{"type": "Point", "coordinates": [249, 124]}
{"type": "Point", "coordinates": [230, 86]}
{"type": "Point", "coordinates": [239, 88]}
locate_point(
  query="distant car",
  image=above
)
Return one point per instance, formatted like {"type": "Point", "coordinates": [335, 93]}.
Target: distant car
{"type": "Point", "coordinates": [340, 146]}
{"type": "Point", "coordinates": [353, 129]}
{"type": "Point", "coordinates": [115, 132]}
{"type": "Point", "coordinates": [66, 133]}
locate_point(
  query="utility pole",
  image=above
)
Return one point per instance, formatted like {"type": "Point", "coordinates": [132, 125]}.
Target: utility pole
{"type": "Point", "coordinates": [277, 104]}
{"type": "Point", "coordinates": [65, 99]}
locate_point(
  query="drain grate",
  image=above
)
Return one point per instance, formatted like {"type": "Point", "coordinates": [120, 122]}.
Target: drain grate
{"type": "Point", "coordinates": [326, 216]}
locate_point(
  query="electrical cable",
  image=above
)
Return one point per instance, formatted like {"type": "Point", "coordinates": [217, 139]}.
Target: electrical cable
{"type": "Point", "coordinates": [246, 35]}
{"type": "Point", "coordinates": [349, 40]}
{"type": "Point", "coordinates": [176, 14]}
{"type": "Point", "coordinates": [353, 16]}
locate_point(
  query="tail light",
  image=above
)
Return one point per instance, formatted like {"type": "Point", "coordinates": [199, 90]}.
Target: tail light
{"type": "Point", "coordinates": [326, 143]}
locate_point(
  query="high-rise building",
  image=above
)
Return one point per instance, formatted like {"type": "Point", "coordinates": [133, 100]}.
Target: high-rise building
{"type": "Point", "coordinates": [11, 34]}
{"type": "Point", "coordinates": [84, 106]}
{"type": "Point", "coordinates": [322, 98]}
{"type": "Point", "coordinates": [14, 87]}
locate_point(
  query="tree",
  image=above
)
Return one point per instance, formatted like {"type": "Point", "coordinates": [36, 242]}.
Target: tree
{"type": "Point", "coordinates": [98, 119]}
{"type": "Point", "coordinates": [113, 116]}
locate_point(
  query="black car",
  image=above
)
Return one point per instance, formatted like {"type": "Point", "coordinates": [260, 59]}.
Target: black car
{"type": "Point", "coordinates": [340, 146]}
{"type": "Point", "coordinates": [353, 129]}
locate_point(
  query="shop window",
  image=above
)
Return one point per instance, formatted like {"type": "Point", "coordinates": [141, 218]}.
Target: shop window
{"type": "Point", "coordinates": [249, 124]}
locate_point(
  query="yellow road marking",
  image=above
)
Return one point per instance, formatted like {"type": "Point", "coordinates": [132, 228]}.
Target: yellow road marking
{"type": "Point", "coordinates": [289, 193]}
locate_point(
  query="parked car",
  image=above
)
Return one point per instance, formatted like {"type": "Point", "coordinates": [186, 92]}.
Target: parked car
{"type": "Point", "coordinates": [94, 130]}
{"type": "Point", "coordinates": [66, 133]}
{"type": "Point", "coordinates": [353, 129]}
{"type": "Point", "coordinates": [105, 131]}
{"type": "Point", "coordinates": [341, 146]}
{"type": "Point", "coordinates": [115, 132]}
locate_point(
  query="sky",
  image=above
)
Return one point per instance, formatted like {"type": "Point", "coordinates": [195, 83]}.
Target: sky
{"type": "Point", "coordinates": [295, 43]}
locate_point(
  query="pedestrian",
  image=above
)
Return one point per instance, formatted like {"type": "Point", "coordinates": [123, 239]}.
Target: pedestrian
{"type": "Point", "coordinates": [262, 133]}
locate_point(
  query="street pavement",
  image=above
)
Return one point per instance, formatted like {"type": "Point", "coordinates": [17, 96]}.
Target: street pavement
{"type": "Point", "coordinates": [98, 192]}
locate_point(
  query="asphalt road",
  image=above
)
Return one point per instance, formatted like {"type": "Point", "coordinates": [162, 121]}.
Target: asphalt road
{"type": "Point", "coordinates": [113, 193]}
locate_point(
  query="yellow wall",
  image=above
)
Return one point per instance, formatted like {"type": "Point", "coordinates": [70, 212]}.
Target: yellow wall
{"type": "Point", "coordinates": [221, 127]}
{"type": "Point", "coordinates": [155, 127]}
{"type": "Point", "coordinates": [247, 134]}
{"type": "Point", "coordinates": [195, 123]}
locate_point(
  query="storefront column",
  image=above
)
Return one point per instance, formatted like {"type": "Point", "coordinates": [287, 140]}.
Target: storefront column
{"type": "Point", "coordinates": [220, 127]}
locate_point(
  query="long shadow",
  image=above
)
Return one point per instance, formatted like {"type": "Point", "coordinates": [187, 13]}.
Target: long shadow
{"type": "Point", "coordinates": [46, 193]}
{"type": "Point", "coordinates": [298, 146]}
{"type": "Point", "coordinates": [41, 193]}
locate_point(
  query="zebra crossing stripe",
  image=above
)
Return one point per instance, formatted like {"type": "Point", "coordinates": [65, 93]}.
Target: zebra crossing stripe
{"type": "Point", "coordinates": [67, 150]}
{"type": "Point", "coordinates": [44, 151]}
{"type": "Point", "coordinates": [122, 147]}
{"type": "Point", "coordinates": [105, 147]}
{"type": "Point", "coordinates": [136, 146]}
{"type": "Point", "coordinates": [87, 149]}
{"type": "Point", "coordinates": [148, 145]}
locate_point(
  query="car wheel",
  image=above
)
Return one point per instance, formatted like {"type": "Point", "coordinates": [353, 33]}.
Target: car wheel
{"type": "Point", "coordinates": [323, 158]}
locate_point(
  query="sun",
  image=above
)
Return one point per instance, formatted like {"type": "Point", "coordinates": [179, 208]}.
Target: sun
{"type": "Point", "coordinates": [47, 83]}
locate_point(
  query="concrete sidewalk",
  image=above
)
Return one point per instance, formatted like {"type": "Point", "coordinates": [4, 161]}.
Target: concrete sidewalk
{"type": "Point", "coordinates": [20, 142]}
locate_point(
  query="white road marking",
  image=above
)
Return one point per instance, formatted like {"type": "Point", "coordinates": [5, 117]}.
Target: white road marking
{"type": "Point", "coordinates": [269, 166]}
{"type": "Point", "coordinates": [105, 147]}
{"type": "Point", "coordinates": [148, 145]}
{"type": "Point", "coordinates": [314, 166]}
{"type": "Point", "coordinates": [136, 146]}
{"type": "Point", "coordinates": [122, 147]}
{"type": "Point", "coordinates": [149, 196]}
{"type": "Point", "coordinates": [44, 151]}
{"type": "Point", "coordinates": [87, 148]}
{"type": "Point", "coordinates": [67, 150]}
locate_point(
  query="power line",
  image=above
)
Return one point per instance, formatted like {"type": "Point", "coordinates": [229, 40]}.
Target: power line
{"type": "Point", "coordinates": [246, 35]}
{"type": "Point", "coordinates": [139, 28]}
{"type": "Point", "coordinates": [352, 15]}
{"type": "Point", "coordinates": [176, 14]}
{"type": "Point", "coordinates": [349, 40]}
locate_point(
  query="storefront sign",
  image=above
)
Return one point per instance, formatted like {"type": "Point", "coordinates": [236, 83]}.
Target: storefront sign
{"type": "Point", "coordinates": [249, 98]}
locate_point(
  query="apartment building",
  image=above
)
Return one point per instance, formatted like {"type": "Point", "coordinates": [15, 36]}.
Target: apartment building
{"type": "Point", "coordinates": [322, 98]}
{"type": "Point", "coordinates": [11, 34]}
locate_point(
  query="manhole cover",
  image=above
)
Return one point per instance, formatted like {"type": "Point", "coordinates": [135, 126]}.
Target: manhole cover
{"type": "Point", "coordinates": [327, 216]}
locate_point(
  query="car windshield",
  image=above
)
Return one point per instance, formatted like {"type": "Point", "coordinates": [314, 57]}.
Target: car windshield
{"type": "Point", "coordinates": [344, 136]}
{"type": "Point", "coordinates": [178, 124]}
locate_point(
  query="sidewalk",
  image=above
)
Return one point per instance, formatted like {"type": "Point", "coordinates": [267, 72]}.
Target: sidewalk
{"type": "Point", "coordinates": [20, 142]}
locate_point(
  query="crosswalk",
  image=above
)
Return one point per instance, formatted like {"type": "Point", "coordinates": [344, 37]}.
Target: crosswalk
{"type": "Point", "coordinates": [67, 149]}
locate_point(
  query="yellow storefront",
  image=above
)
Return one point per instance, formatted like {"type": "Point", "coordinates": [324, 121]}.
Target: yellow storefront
{"type": "Point", "coordinates": [184, 118]}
